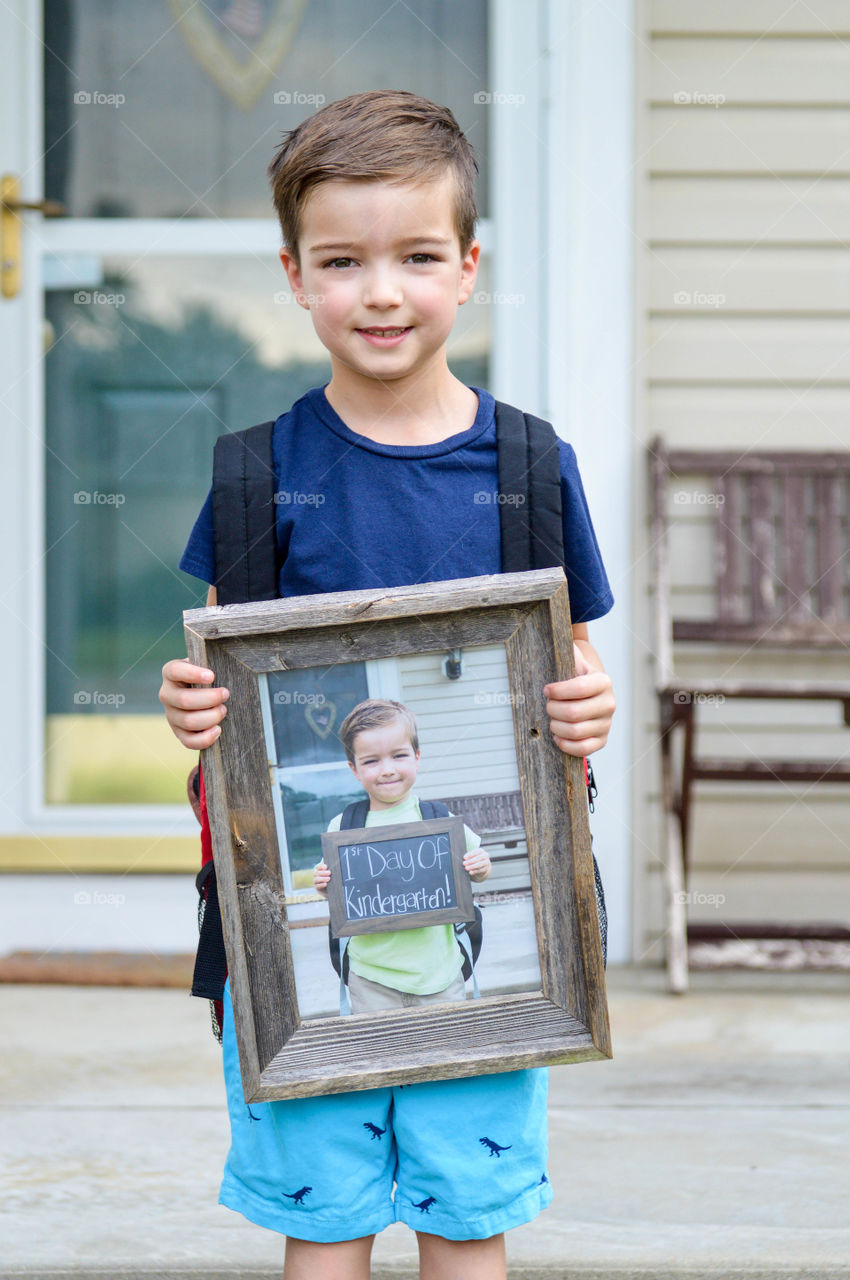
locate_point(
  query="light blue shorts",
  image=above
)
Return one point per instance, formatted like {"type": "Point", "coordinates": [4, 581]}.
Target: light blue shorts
{"type": "Point", "coordinates": [468, 1157]}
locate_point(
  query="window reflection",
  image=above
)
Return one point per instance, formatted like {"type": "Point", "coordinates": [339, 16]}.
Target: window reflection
{"type": "Point", "coordinates": [232, 77]}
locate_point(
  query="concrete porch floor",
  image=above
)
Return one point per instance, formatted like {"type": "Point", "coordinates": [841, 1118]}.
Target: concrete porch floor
{"type": "Point", "coordinates": [714, 1145]}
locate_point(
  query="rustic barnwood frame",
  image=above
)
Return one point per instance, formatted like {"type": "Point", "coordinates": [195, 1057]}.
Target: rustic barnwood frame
{"type": "Point", "coordinates": [283, 1056]}
{"type": "Point", "coordinates": [779, 583]}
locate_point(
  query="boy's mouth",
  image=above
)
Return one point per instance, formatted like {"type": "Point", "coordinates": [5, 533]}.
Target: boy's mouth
{"type": "Point", "coordinates": [385, 335]}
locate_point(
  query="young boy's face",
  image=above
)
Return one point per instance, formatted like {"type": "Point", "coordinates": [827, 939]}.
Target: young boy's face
{"type": "Point", "coordinates": [385, 763]}
{"type": "Point", "coordinates": [381, 273]}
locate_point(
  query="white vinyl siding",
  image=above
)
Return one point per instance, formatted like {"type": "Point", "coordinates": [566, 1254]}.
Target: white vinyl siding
{"type": "Point", "coordinates": [466, 728]}
{"type": "Point", "coordinates": [742, 341]}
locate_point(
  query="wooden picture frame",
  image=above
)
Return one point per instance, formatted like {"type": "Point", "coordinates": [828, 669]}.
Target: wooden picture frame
{"type": "Point", "coordinates": [337, 850]}
{"type": "Point", "coordinates": [284, 1056]}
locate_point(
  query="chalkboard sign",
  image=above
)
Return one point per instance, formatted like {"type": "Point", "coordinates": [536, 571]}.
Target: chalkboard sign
{"type": "Point", "coordinates": [399, 876]}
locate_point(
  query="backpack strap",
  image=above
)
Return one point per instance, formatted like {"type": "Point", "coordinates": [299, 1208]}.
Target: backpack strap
{"type": "Point", "coordinates": [244, 486]}
{"type": "Point", "coordinates": [354, 815]}
{"type": "Point", "coordinates": [530, 506]}
{"type": "Point", "coordinates": [433, 809]}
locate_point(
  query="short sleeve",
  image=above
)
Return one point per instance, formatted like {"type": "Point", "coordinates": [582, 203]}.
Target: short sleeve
{"type": "Point", "coordinates": [587, 581]}
{"type": "Point", "coordinates": [198, 558]}
{"type": "Point", "coordinates": [472, 840]}
{"type": "Point", "coordinates": [333, 825]}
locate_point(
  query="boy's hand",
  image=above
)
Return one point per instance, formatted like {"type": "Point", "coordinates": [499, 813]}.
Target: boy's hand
{"type": "Point", "coordinates": [321, 877]}
{"type": "Point", "coordinates": [477, 864]}
{"type": "Point", "coordinates": [580, 710]}
{"type": "Point", "coordinates": [195, 715]}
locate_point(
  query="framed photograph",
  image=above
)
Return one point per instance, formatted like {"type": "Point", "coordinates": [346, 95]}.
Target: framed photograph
{"type": "Point", "coordinates": [402, 852]}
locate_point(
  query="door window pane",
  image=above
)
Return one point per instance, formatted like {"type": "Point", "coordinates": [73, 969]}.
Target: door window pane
{"type": "Point", "coordinates": [174, 110]}
{"type": "Point", "coordinates": [150, 360]}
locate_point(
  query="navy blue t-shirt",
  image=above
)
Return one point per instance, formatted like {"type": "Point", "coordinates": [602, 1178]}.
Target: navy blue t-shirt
{"type": "Point", "coordinates": [353, 514]}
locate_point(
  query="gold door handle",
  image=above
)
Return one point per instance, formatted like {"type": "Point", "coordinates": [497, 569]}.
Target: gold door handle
{"type": "Point", "coordinates": [10, 230]}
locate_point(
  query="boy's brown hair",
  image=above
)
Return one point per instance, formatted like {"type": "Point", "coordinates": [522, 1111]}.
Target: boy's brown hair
{"type": "Point", "coordinates": [385, 135]}
{"type": "Point", "coordinates": [374, 713]}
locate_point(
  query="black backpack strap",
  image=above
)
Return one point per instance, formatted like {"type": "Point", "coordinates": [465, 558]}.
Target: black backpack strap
{"type": "Point", "coordinates": [244, 509]}
{"type": "Point", "coordinates": [433, 809]}
{"type": "Point", "coordinates": [530, 506]}
{"type": "Point", "coordinates": [354, 815]}
{"type": "Point", "coordinates": [211, 960]}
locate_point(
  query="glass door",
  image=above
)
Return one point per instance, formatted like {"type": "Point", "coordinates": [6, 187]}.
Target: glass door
{"type": "Point", "coordinates": [167, 321]}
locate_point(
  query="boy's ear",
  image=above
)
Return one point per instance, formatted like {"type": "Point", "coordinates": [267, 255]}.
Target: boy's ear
{"type": "Point", "coordinates": [468, 272]}
{"type": "Point", "coordinates": [293, 275]}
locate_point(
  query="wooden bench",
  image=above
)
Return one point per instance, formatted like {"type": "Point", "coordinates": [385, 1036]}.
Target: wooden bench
{"type": "Point", "coordinates": [780, 555]}
{"type": "Point", "coordinates": [499, 821]}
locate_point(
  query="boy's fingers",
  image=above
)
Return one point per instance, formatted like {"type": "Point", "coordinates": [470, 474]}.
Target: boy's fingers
{"type": "Point", "coordinates": [198, 741]}
{"type": "Point", "coordinates": [195, 699]}
{"type": "Point", "coordinates": [182, 671]}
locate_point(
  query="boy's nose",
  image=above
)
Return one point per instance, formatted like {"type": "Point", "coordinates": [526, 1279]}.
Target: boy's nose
{"type": "Point", "coordinates": [382, 290]}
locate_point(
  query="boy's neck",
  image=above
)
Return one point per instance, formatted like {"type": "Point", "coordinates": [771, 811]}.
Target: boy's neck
{"type": "Point", "coordinates": [379, 807]}
{"type": "Point", "coordinates": [423, 409]}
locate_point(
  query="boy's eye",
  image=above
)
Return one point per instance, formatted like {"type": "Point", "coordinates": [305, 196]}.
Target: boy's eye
{"type": "Point", "coordinates": [340, 263]}
{"type": "Point", "coordinates": [422, 257]}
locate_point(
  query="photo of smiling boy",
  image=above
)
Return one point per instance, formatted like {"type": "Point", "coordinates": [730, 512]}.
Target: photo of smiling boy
{"type": "Point", "coordinates": [393, 970]}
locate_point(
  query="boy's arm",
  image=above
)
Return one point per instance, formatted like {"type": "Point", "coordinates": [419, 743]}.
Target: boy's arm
{"type": "Point", "coordinates": [195, 715]}
{"type": "Point", "coordinates": [580, 710]}
{"type": "Point", "coordinates": [321, 871]}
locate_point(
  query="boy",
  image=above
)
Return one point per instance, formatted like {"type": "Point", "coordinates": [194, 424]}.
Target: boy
{"type": "Point", "coordinates": [376, 200]}
{"type": "Point", "coordinates": [408, 966]}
